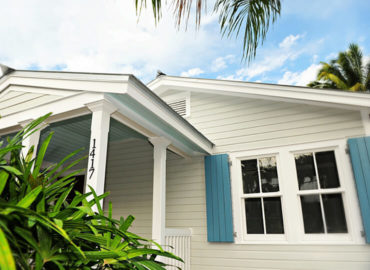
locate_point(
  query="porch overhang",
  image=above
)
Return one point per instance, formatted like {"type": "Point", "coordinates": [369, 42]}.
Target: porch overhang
{"type": "Point", "coordinates": [136, 105]}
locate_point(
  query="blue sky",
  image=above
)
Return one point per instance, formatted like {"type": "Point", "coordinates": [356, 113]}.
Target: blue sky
{"type": "Point", "coordinates": [104, 36]}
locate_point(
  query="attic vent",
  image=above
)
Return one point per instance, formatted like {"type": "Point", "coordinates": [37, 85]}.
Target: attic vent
{"type": "Point", "coordinates": [180, 107]}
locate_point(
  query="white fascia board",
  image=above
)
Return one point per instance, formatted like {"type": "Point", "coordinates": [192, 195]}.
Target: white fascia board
{"type": "Point", "coordinates": [151, 127]}
{"type": "Point", "coordinates": [66, 81]}
{"type": "Point", "coordinates": [296, 94]}
{"type": "Point", "coordinates": [157, 106]}
{"type": "Point", "coordinates": [63, 108]}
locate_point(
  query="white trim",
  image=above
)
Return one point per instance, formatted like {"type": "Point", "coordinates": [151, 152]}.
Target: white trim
{"type": "Point", "coordinates": [172, 119]}
{"type": "Point", "coordinates": [159, 188]}
{"type": "Point", "coordinates": [365, 117]}
{"type": "Point", "coordinates": [305, 95]}
{"type": "Point", "coordinates": [95, 174]}
{"type": "Point", "coordinates": [292, 215]}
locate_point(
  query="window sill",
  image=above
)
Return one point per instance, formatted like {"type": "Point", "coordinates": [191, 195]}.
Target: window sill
{"type": "Point", "coordinates": [323, 242]}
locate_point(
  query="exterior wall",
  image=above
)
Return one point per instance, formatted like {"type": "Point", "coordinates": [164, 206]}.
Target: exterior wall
{"type": "Point", "coordinates": [233, 124]}
{"type": "Point", "coordinates": [15, 101]}
{"type": "Point", "coordinates": [129, 180]}
{"type": "Point", "coordinates": [186, 208]}
{"type": "Point", "coordinates": [237, 124]}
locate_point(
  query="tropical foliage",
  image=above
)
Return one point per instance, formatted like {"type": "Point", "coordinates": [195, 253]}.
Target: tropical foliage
{"type": "Point", "coordinates": [346, 72]}
{"type": "Point", "coordinates": [40, 229]}
{"type": "Point", "coordinates": [252, 18]}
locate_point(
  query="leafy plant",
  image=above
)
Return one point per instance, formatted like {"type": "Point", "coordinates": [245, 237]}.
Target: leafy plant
{"type": "Point", "coordinates": [251, 18]}
{"type": "Point", "coordinates": [40, 229]}
{"type": "Point", "coordinates": [346, 72]}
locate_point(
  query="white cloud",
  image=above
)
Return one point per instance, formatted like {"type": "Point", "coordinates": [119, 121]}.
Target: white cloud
{"type": "Point", "coordinates": [232, 77]}
{"type": "Point", "coordinates": [289, 41]}
{"type": "Point", "coordinates": [276, 59]}
{"type": "Point", "coordinates": [101, 36]}
{"type": "Point", "coordinates": [273, 59]}
{"type": "Point", "coordinates": [192, 72]}
{"type": "Point", "coordinates": [300, 78]}
{"type": "Point", "coordinates": [222, 62]}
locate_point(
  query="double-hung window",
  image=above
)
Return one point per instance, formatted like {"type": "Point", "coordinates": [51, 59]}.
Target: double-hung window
{"type": "Point", "coordinates": [295, 194]}
{"type": "Point", "coordinates": [262, 196]}
{"type": "Point", "coordinates": [320, 193]}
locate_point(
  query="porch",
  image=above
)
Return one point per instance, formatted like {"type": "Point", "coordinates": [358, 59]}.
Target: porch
{"type": "Point", "coordinates": [128, 136]}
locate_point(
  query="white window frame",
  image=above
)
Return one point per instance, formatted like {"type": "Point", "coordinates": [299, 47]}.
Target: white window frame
{"type": "Point", "coordinates": [290, 198]}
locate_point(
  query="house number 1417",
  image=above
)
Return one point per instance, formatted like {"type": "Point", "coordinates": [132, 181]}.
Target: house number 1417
{"type": "Point", "coordinates": [92, 156]}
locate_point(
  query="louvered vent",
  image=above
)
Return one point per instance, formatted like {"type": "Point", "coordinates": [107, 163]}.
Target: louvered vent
{"type": "Point", "coordinates": [179, 106]}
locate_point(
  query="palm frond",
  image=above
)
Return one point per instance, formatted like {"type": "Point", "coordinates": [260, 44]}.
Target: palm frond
{"type": "Point", "coordinates": [367, 76]}
{"type": "Point", "coordinates": [345, 72]}
{"type": "Point", "coordinates": [251, 17]}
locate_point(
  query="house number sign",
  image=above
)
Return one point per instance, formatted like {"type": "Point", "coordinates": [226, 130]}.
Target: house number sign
{"type": "Point", "coordinates": [92, 157]}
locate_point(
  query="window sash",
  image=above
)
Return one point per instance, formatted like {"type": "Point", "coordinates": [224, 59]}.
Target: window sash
{"type": "Point", "coordinates": [290, 195]}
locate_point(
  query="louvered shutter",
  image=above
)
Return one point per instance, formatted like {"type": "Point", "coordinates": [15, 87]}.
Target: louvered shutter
{"type": "Point", "coordinates": [218, 197]}
{"type": "Point", "coordinates": [360, 157]}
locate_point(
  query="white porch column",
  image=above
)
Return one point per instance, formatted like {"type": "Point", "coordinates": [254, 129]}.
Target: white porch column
{"type": "Point", "coordinates": [159, 188]}
{"type": "Point", "coordinates": [95, 176]}
{"type": "Point", "coordinates": [33, 139]}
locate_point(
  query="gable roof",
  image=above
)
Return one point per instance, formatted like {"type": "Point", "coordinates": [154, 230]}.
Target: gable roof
{"type": "Point", "coordinates": [71, 91]}
{"type": "Point", "coordinates": [296, 94]}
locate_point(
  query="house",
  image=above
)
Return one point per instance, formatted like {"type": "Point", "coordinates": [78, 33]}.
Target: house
{"type": "Point", "coordinates": [233, 175]}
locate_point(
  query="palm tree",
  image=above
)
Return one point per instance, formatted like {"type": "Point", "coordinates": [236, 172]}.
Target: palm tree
{"type": "Point", "coordinates": [347, 72]}
{"type": "Point", "coordinates": [252, 18]}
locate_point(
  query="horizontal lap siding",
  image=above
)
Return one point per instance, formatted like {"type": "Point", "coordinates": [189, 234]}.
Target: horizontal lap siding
{"type": "Point", "coordinates": [16, 101]}
{"type": "Point", "coordinates": [237, 124]}
{"type": "Point", "coordinates": [130, 183]}
{"type": "Point", "coordinates": [186, 208]}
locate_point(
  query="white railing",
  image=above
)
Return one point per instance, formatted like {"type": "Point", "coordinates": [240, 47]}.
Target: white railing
{"type": "Point", "coordinates": [178, 242]}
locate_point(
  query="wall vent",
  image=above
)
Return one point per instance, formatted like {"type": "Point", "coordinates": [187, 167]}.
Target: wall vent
{"type": "Point", "coordinates": [180, 107]}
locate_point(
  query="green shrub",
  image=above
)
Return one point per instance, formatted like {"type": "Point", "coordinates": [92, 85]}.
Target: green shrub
{"type": "Point", "coordinates": [40, 229]}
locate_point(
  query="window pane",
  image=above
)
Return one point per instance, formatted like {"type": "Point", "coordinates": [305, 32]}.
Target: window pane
{"type": "Point", "coordinates": [273, 215]}
{"type": "Point", "coordinates": [327, 169]}
{"type": "Point", "coordinates": [334, 213]}
{"type": "Point", "coordinates": [306, 171]}
{"type": "Point", "coordinates": [253, 213]}
{"type": "Point", "coordinates": [268, 172]}
{"type": "Point", "coordinates": [250, 176]}
{"type": "Point", "coordinates": [312, 217]}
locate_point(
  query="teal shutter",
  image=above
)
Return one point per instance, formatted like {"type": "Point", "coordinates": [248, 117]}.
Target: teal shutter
{"type": "Point", "coordinates": [360, 157]}
{"type": "Point", "coordinates": [218, 197]}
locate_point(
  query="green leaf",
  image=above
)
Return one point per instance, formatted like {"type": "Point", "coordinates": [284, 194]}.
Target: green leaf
{"type": "Point", "coordinates": [41, 154]}
{"type": "Point", "coordinates": [26, 201]}
{"type": "Point", "coordinates": [3, 180]}
{"type": "Point", "coordinates": [30, 198]}
{"type": "Point", "coordinates": [11, 169]}
{"type": "Point", "coordinates": [150, 265]}
{"type": "Point", "coordinates": [6, 257]}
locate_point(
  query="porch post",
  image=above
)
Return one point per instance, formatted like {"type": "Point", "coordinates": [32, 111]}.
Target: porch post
{"type": "Point", "coordinates": [33, 139]}
{"type": "Point", "coordinates": [159, 189]}
{"type": "Point", "coordinates": [95, 175]}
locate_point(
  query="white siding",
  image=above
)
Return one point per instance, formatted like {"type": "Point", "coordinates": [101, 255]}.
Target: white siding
{"type": "Point", "coordinates": [234, 124]}
{"type": "Point", "coordinates": [240, 124]}
{"type": "Point", "coordinates": [15, 101]}
{"type": "Point", "coordinates": [129, 180]}
{"type": "Point", "coordinates": [186, 208]}
{"type": "Point", "coordinates": [237, 124]}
